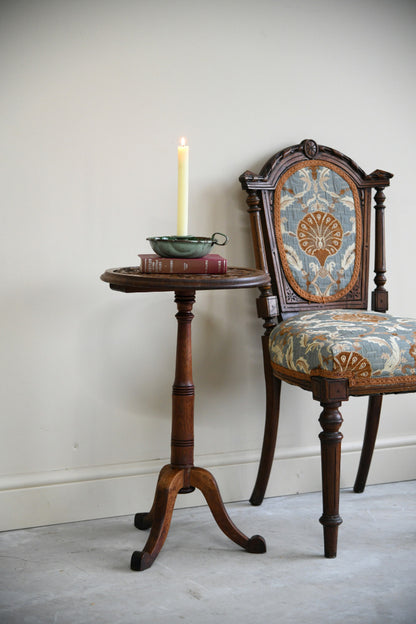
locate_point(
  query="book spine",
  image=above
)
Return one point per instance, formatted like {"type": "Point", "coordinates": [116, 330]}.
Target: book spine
{"type": "Point", "coordinates": [182, 265]}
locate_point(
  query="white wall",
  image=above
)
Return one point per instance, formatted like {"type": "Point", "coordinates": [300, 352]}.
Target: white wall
{"type": "Point", "coordinates": [94, 96]}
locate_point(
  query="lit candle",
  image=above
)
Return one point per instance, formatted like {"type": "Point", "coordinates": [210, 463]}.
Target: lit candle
{"type": "Point", "coordinates": [183, 179]}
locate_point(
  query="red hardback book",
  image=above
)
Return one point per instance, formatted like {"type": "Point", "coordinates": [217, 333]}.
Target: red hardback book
{"type": "Point", "coordinates": [212, 263]}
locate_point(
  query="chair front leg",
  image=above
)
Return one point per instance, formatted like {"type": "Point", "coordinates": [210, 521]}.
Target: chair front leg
{"type": "Point", "coordinates": [331, 421]}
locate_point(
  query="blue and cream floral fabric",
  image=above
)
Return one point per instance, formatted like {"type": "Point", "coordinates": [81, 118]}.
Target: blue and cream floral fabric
{"type": "Point", "coordinates": [318, 228]}
{"type": "Point", "coordinates": [365, 347]}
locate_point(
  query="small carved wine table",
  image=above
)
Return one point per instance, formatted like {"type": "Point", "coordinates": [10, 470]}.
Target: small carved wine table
{"type": "Point", "coordinates": [181, 476]}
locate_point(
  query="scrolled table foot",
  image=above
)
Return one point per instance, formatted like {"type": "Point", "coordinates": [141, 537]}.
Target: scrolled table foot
{"type": "Point", "coordinates": [141, 561]}
{"type": "Point", "coordinates": [143, 521]}
{"type": "Point", "coordinates": [256, 544]}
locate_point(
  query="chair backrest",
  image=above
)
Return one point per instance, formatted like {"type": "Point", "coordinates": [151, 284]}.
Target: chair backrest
{"type": "Point", "coordinates": [310, 217]}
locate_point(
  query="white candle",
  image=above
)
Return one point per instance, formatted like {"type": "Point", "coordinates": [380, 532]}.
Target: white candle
{"type": "Point", "coordinates": [183, 181]}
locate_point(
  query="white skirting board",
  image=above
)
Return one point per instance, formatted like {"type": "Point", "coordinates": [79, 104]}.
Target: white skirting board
{"type": "Point", "coordinates": [123, 489]}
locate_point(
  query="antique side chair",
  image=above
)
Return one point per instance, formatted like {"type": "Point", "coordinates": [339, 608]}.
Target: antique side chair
{"type": "Point", "coordinates": [310, 219]}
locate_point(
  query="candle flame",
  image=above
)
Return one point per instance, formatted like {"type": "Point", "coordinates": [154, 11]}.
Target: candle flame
{"type": "Point", "coordinates": [183, 141]}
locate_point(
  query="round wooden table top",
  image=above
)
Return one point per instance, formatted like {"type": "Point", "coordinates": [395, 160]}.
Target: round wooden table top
{"type": "Point", "coordinates": [131, 279]}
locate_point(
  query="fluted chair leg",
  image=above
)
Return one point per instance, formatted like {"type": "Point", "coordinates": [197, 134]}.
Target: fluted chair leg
{"type": "Point", "coordinates": [331, 421]}
{"type": "Point", "coordinates": [370, 435]}
{"type": "Point", "coordinates": [273, 386]}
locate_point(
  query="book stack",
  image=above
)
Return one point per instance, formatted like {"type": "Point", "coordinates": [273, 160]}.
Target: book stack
{"type": "Point", "coordinates": [211, 263]}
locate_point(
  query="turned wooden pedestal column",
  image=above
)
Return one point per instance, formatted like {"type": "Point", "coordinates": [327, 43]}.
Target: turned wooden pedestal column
{"type": "Point", "coordinates": [181, 476]}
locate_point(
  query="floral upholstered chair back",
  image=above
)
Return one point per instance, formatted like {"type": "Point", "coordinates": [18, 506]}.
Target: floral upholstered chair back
{"type": "Point", "coordinates": [310, 210]}
{"type": "Point", "coordinates": [318, 225]}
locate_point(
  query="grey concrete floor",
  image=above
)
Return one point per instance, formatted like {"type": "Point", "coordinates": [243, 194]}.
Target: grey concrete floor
{"type": "Point", "coordinates": [79, 573]}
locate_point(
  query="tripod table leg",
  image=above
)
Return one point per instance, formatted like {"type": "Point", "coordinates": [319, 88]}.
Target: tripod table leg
{"type": "Point", "coordinates": [171, 480]}
{"type": "Point", "coordinates": [204, 481]}
{"type": "Point", "coordinates": [144, 520]}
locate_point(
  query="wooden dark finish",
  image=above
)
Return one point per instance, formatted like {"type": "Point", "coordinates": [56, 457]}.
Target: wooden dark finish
{"type": "Point", "coordinates": [131, 279]}
{"type": "Point", "coordinates": [330, 393]}
{"type": "Point", "coordinates": [370, 436]}
{"type": "Point", "coordinates": [331, 421]}
{"type": "Point", "coordinates": [278, 301]}
{"type": "Point", "coordinates": [183, 391]}
{"type": "Point", "coordinates": [380, 301]}
{"type": "Point", "coordinates": [273, 386]}
{"type": "Point", "coordinates": [181, 476]}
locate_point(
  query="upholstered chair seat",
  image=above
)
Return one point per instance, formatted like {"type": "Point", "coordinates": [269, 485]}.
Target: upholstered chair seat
{"type": "Point", "coordinates": [367, 348]}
